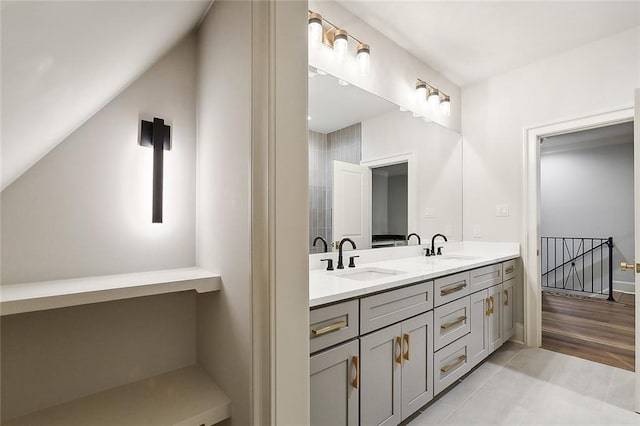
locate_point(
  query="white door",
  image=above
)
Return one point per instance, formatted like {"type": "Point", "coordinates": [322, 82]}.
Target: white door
{"type": "Point", "coordinates": [352, 203]}
{"type": "Point", "coordinates": [636, 165]}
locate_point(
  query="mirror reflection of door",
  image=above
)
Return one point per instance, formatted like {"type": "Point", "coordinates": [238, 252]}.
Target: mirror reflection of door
{"type": "Point", "coordinates": [389, 205]}
{"type": "Point", "coordinates": [351, 203]}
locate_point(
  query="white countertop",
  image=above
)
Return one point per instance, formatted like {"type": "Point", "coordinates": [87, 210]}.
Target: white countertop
{"type": "Point", "coordinates": [328, 286]}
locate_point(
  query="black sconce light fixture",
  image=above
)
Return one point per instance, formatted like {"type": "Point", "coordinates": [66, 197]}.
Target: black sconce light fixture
{"type": "Point", "coordinates": [158, 136]}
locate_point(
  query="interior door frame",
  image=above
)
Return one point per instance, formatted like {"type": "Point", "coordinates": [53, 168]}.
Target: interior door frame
{"type": "Point", "coordinates": [412, 182]}
{"type": "Point", "coordinates": [531, 207]}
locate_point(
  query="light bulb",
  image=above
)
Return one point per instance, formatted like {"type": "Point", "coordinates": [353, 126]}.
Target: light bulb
{"type": "Point", "coordinates": [421, 91]}
{"type": "Point", "coordinates": [315, 29]}
{"type": "Point", "coordinates": [445, 106]}
{"type": "Point", "coordinates": [434, 97]}
{"type": "Point", "coordinates": [340, 45]}
{"type": "Point", "coordinates": [363, 57]}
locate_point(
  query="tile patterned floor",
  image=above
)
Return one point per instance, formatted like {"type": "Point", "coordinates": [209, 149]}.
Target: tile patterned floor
{"type": "Point", "coordinates": [528, 386]}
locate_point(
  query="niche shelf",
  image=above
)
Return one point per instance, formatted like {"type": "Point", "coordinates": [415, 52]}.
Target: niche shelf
{"type": "Point", "coordinates": [185, 397]}
{"type": "Point", "coordinates": [38, 296]}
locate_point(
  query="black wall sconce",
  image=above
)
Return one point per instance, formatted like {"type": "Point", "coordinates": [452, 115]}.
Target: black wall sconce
{"type": "Point", "coordinates": [158, 136]}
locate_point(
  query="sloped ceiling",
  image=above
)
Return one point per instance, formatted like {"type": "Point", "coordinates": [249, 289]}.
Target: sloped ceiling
{"type": "Point", "coordinates": [62, 61]}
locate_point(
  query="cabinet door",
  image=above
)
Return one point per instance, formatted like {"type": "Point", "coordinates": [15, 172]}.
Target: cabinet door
{"type": "Point", "coordinates": [479, 336]}
{"type": "Point", "coordinates": [508, 309]}
{"type": "Point", "coordinates": [495, 319]}
{"type": "Point", "coordinates": [381, 362]}
{"type": "Point", "coordinates": [334, 381]}
{"type": "Point", "coordinates": [417, 367]}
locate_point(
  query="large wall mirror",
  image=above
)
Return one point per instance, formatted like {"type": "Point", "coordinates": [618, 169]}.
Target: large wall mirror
{"type": "Point", "coordinates": [377, 174]}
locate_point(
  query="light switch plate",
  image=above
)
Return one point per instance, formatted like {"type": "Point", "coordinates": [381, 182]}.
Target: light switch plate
{"type": "Point", "coordinates": [429, 212]}
{"type": "Point", "coordinates": [502, 210]}
{"type": "Point", "coordinates": [477, 231]}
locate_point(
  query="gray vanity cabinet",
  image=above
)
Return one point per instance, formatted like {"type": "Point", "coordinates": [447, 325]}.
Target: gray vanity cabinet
{"type": "Point", "coordinates": [495, 317]}
{"type": "Point", "coordinates": [479, 336]}
{"type": "Point", "coordinates": [417, 368]}
{"type": "Point", "coordinates": [335, 386]}
{"type": "Point", "coordinates": [381, 355]}
{"type": "Point", "coordinates": [508, 309]}
{"type": "Point", "coordinates": [397, 371]}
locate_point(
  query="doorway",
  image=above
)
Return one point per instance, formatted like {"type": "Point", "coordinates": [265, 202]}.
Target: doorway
{"type": "Point", "coordinates": [389, 205]}
{"type": "Point", "coordinates": [587, 228]}
{"type": "Point", "coordinates": [531, 204]}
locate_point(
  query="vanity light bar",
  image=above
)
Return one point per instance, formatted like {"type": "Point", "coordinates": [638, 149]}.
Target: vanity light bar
{"type": "Point", "coordinates": [323, 32]}
{"type": "Point", "coordinates": [433, 96]}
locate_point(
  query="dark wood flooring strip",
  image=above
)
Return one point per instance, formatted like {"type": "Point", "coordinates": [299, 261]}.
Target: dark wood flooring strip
{"type": "Point", "coordinates": [590, 328]}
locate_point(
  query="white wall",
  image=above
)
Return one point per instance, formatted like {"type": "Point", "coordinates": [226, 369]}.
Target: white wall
{"type": "Point", "coordinates": [85, 208]}
{"type": "Point", "coordinates": [224, 199]}
{"type": "Point", "coordinates": [593, 78]}
{"type": "Point", "coordinates": [438, 156]}
{"type": "Point", "coordinates": [393, 70]}
{"type": "Point", "coordinates": [585, 193]}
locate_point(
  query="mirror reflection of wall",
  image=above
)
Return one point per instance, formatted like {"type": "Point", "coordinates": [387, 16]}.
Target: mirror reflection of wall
{"type": "Point", "coordinates": [341, 145]}
{"type": "Point", "coordinates": [357, 135]}
{"type": "Point", "coordinates": [389, 205]}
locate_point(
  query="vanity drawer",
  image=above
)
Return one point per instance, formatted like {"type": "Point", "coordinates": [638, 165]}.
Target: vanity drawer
{"type": "Point", "coordinates": [390, 307]}
{"type": "Point", "coordinates": [450, 363]}
{"type": "Point", "coordinates": [332, 324]}
{"type": "Point", "coordinates": [508, 269]}
{"type": "Point", "coordinates": [486, 277]}
{"type": "Point", "coordinates": [450, 322]}
{"type": "Point", "coordinates": [450, 288]}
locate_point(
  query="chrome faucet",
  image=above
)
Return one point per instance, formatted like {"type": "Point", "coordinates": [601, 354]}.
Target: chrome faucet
{"type": "Point", "coordinates": [348, 240]}
{"type": "Point", "coordinates": [411, 235]}
{"type": "Point", "coordinates": [324, 242]}
{"type": "Point", "coordinates": [433, 239]}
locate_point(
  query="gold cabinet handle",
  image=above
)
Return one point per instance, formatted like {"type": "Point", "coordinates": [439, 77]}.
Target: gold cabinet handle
{"type": "Point", "coordinates": [445, 291]}
{"type": "Point", "coordinates": [460, 360]}
{"type": "Point", "coordinates": [509, 270]}
{"type": "Point", "coordinates": [407, 338]}
{"type": "Point", "coordinates": [488, 300]}
{"type": "Point", "coordinates": [452, 323]}
{"type": "Point", "coordinates": [492, 303]}
{"type": "Point", "coordinates": [506, 298]}
{"type": "Point", "coordinates": [399, 343]}
{"type": "Point", "coordinates": [329, 328]}
{"type": "Point", "coordinates": [356, 367]}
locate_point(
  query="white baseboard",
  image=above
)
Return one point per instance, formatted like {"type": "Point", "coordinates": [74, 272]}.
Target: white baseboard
{"type": "Point", "coordinates": [624, 286]}
{"type": "Point", "coordinates": [518, 334]}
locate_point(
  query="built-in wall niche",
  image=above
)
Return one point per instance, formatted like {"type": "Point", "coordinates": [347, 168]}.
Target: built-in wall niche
{"type": "Point", "coordinates": [352, 133]}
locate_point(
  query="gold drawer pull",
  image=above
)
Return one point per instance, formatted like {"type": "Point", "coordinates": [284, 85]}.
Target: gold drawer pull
{"type": "Point", "coordinates": [506, 298]}
{"type": "Point", "coordinates": [407, 337]}
{"type": "Point", "coordinates": [399, 343]}
{"type": "Point", "coordinates": [509, 270]}
{"type": "Point", "coordinates": [445, 291]}
{"type": "Point", "coordinates": [452, 323]}
{"type": "Point", "coordinates": [492, 303]}
{"type": "Point", "coordinates": [460, 360]}
{"type": "Point", "coordinates": [356, 367]}
{"type": "Point", "coordinates": [488, 300]}
{"type": "Point", "coordinates": [329, 328]}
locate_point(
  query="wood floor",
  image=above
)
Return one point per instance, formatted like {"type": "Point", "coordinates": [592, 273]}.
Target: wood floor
{"type": "Point", "coordinates": [589, 328]}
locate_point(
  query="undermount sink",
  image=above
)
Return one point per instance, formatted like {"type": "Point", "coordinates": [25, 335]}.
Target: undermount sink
{"type": "Point", "coordinates": [456, 257]}
{"type": "Point", "coordinates": [368, 274]}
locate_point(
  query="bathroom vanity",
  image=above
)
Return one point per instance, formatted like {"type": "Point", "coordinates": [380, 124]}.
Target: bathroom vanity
{"type": "Point", "coordinates": [389, 335]}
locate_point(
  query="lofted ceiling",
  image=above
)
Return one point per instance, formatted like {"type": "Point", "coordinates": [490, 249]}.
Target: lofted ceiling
{"type": "Point", "coordinates": [62, 61]}
{"type": "Point", "coordinates": [474, 40]}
